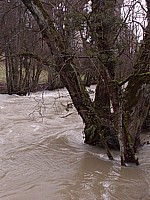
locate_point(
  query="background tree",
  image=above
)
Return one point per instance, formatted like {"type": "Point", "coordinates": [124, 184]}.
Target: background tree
{"type": "Point", "coordinates": [19, 36]}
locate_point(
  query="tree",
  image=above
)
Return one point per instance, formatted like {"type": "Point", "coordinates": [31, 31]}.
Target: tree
{"type": "Point", "coordinates": [121, 128]}
{"type": "Point", "coordinates": [19, 36]}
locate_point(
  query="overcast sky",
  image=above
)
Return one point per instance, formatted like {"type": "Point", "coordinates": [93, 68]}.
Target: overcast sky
{"type": "Point", "coordinates": [137, 17]}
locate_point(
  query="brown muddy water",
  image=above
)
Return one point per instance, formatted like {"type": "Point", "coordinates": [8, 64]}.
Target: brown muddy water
{"type": "Point", "coordinates": [43, 157]}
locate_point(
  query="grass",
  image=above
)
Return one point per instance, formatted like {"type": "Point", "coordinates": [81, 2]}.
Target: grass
{"type": "Point", "coordinates": [42, 79]}
{"type": "Point", "coordinates": [43, 76]}
{"type": "Point", "coordinates": [2, 73]}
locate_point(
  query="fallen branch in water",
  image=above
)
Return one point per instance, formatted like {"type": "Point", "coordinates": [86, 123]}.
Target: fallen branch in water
{"type": "Point", "coordinates": [67, 115]}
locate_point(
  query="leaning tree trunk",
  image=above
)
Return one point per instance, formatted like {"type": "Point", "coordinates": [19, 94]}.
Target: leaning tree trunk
{"type": "Point", "coordinates": [69, 76]}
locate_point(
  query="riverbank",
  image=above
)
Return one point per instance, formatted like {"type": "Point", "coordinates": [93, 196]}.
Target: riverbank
{"type": "Point", "coordinates": [40, 87]}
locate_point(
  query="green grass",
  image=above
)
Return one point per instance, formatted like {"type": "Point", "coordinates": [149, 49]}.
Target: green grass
{"type": "Point", "coordinates": [2, 73]}
{"type": "Point", "coordinates": [43, 76]}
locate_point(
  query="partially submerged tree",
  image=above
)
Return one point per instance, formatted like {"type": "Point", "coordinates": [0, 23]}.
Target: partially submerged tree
{"type": "Point", "coordinates": [130, 105]}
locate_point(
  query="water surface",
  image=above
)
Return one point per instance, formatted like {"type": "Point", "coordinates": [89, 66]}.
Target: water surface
{"type": "Point", "coordinates": [43, 157]}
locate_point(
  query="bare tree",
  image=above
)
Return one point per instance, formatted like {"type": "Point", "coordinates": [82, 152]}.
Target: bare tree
{"type": "Point", "coordinates": [130, 105]}
{"type": "Point", "coordinates": [19, 36]}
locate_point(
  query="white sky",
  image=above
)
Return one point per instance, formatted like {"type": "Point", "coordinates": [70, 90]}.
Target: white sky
{"type": "Point", "coordinates": [136, 11]}
{"type": "Point", "coordinates": [137, 17]}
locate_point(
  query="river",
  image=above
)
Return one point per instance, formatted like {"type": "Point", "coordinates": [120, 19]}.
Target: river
{"type": "Point", "coordinates": [43, 156]}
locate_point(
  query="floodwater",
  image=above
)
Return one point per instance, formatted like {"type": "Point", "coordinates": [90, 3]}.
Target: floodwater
{"type": "Point", "coordinates": [43, 157]}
